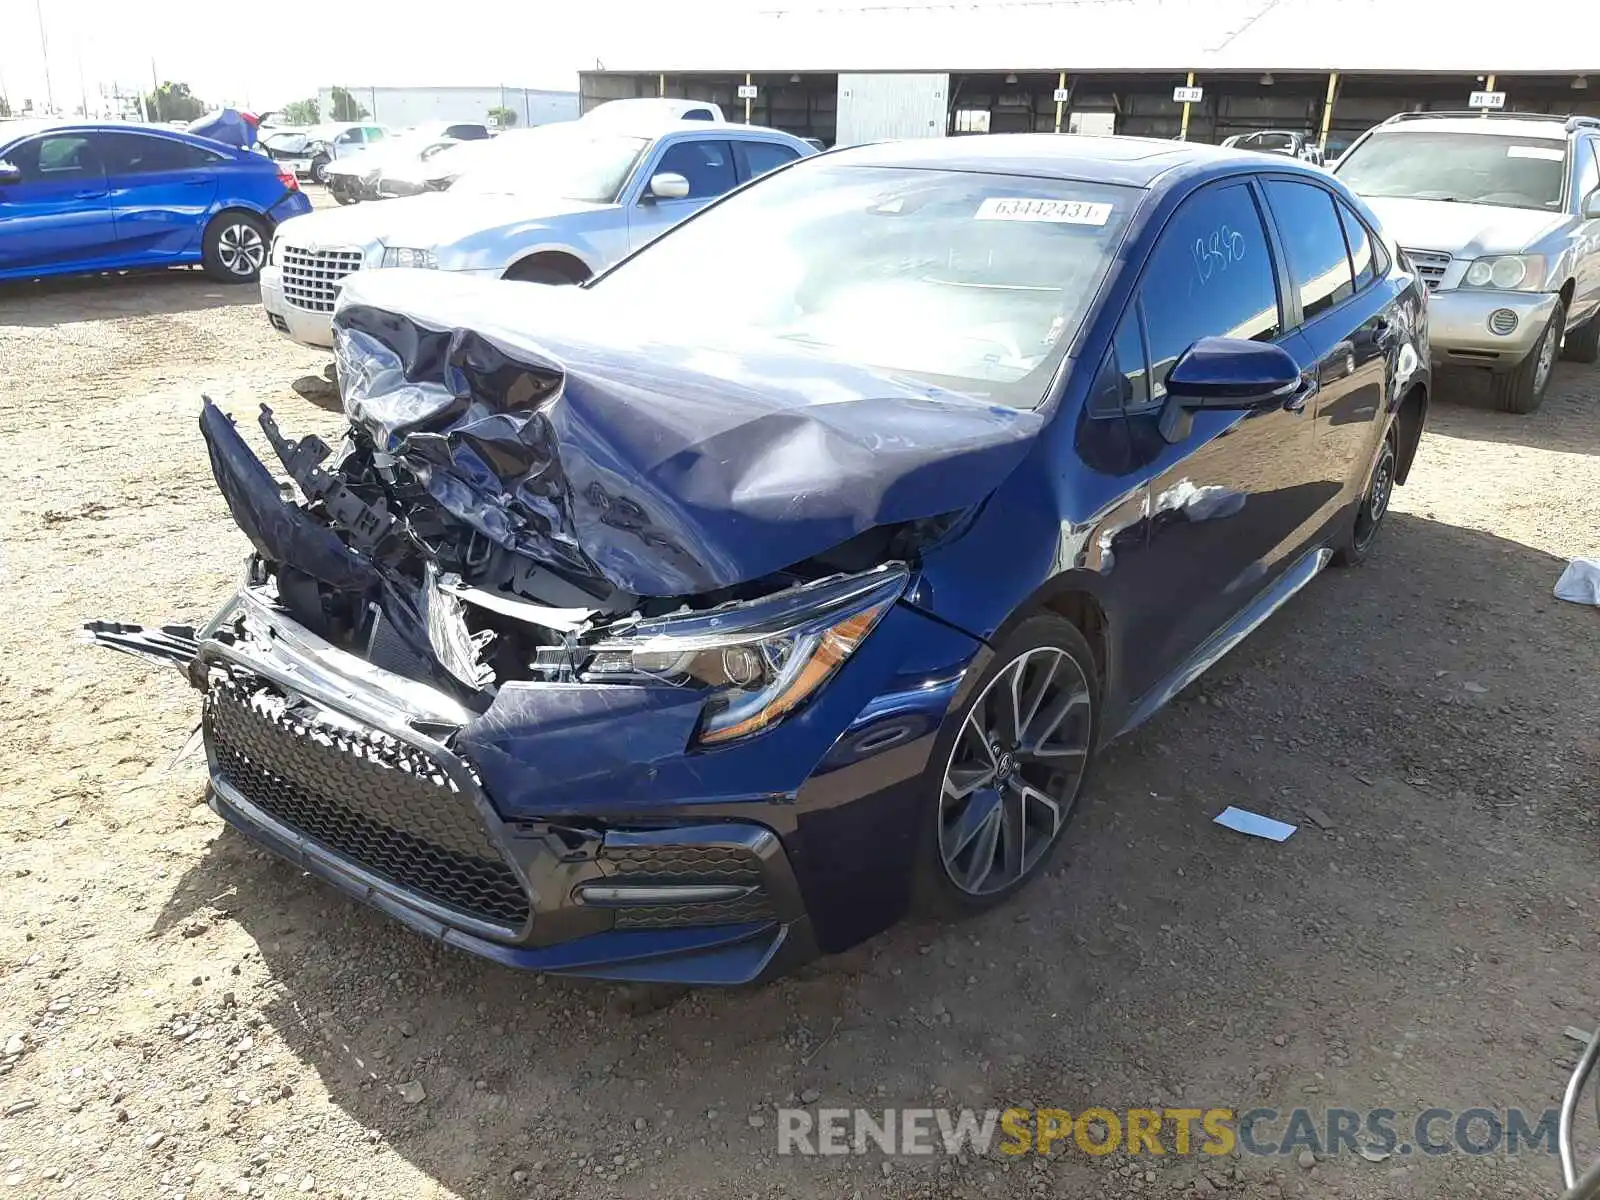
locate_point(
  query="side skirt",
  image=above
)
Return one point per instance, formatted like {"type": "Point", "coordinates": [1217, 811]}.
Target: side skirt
{"type": "Point", "coordinates": [1229, 636]}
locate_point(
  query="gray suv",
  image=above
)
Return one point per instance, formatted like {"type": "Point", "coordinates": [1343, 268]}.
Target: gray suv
{"type": "Point", "coordinates": [1500, 216]}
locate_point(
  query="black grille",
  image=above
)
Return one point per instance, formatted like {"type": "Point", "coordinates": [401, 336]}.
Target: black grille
{"type": "Point", "coordinates": [378, 803]}
{"type": "Point", "coordinates": [754, 907]}
{"type": "Point", "coordinates": [686, 864]}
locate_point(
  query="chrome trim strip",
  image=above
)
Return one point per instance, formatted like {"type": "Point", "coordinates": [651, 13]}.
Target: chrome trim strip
{"type": "Point", "coordinates": [611, 895]}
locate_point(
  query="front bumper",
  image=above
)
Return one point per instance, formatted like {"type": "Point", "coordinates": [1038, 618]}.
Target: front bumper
{"type": "Point", "coordinates": [1461, 334]}
{"type": "Point", "coordinates": [321, 757]}
{"type": "Point", "coordinates": [297, 324]}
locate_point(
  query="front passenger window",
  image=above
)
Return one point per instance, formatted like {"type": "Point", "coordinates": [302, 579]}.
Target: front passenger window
{"type": "Point", "coordinates": [1210, 275]}
{"type": "Point", "coordinates": [707, 165]}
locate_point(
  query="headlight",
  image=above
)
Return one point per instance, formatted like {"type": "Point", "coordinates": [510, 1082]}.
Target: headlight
{"type": "Point", "coordinates": [1507, 272]}
{"type": "Point", "coordinates": [759, 661]}
{"type": "Point", "coordinates": [407, 256]}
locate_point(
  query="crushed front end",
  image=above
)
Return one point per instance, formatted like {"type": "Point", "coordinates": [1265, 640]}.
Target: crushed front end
{"type": "Point", "coordinates": [561, 709]}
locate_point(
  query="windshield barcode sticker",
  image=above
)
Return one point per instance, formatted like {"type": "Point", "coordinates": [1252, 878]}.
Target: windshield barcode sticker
{"type": "Point", "coordinates": [1548, 153]}
{"type": "Point", "coordinates": [1027, 208]}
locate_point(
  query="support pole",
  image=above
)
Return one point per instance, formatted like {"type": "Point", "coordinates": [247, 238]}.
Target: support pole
{"type": "Point", "coordinates": [1183, 130]}
{"type": "Point", "coordinates": [1061, 83]}
{"type": "Point", "coordinates": [661, 84]}
{"type": "Point", "coordinates": [1488, 87]}
{"type": "Point", "coordinates": [747, 99]}
{"type": "Point", "coordinates": [1327, 111]}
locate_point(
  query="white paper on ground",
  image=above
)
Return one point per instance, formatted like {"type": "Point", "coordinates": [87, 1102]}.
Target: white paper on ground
{"type": "Point", "coordinates": [1580, 582]}
{"type": "Point", "coordinates": [1254, 824]}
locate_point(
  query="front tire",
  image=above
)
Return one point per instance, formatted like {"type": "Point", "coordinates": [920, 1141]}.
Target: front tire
{"type": "Point", "coordinates": [1007, 770]}
{"type": "Point", "coordinates": [319, 169]}
{"type": "Point", "coordinates": [235, 247]}
{"type": "Point", "coordinates": [1521, 389]}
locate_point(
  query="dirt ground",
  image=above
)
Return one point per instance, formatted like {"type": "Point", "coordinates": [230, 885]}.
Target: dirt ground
{"type": "Point", "coordinates": [183, 1015]}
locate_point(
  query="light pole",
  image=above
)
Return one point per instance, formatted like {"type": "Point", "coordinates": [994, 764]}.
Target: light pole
{"type": "Point", "coordinates": [44, 53]}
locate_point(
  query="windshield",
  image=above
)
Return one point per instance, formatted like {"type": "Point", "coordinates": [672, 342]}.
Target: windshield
{"type": "Point", "coordinates": [575, 165]}
{"type": "Point", "coordinates": [975, 282]}
{"type": "Point", "coordinates": [1472, 168]}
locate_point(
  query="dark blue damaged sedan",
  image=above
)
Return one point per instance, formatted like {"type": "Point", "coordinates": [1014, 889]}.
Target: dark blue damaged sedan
{"type": "Point", "coordinates": [789, 576]}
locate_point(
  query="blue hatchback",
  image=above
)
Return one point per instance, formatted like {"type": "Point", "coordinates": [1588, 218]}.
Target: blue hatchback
{"type": "Point", "coordinates": [792, 573]}
{"type": "Point", "coordinates": [107, 197]}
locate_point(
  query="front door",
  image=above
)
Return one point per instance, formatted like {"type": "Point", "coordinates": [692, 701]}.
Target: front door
{"type": "Point", "coordinates": [706, 162]}
{"type": "Point", "coordinates": [1230, 501]}
{"type": "Point", "coordinates": [56, 214]}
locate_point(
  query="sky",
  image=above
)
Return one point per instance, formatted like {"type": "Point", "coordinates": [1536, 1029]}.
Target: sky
{"type": "Point", "coordinates": [263, 56]}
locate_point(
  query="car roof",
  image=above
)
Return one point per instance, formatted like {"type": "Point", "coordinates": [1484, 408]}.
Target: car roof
{"type": "Point", "coordinates": [13, 130]}
{"type": "Point", "coordinates": [1133, 162]}
{"type": "Point", "coordinates": [1533, 127]}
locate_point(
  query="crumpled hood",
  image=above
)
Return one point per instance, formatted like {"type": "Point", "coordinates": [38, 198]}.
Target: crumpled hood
{"type": "Point", "coordinates": [1462, 230]}
{"type": "Point", "coordinates": [665, 464]}
{"type": "Point", "coordinates": [431, 220]}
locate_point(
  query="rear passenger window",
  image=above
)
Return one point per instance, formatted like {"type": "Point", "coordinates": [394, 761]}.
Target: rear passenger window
{"type": "Point", "coordinates": [1210, 275]}
{"type": "Point", "coordinates": [1355, 234]}
{"type": "Point", "coordinates": [1318, 261]}
{"type": "Point", "coordinates": [757, 158]}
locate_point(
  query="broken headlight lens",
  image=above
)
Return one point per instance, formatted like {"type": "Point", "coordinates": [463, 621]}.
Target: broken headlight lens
{"type": "Point", "coordinates": [408, 256]}
{"type": "Point", "coordinates": [758, 661]}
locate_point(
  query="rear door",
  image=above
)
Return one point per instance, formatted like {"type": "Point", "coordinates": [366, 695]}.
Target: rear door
{"type": "Point", "coordinates": [706, 162]}
{"type": "Point", "coordinates": [56, 215]}
{"type": "Point", "coordinates": [161, 191]}
{"type": "Point", "coordinates": [1347, 333]}
{"type": "Point", "coordinates": [1232, 503]}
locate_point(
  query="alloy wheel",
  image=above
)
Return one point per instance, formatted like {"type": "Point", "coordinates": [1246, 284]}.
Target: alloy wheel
{"type": "Point", "coordinates": [241, 249]}
{"type": "Point", "coordinates": [1549, 345]}
{"type": "Point", "coordinates": [1379, 493]}
{"type": "Point", "coordinates": [1014, 771]}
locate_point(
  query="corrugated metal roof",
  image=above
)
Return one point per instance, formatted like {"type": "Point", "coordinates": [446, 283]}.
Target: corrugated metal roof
{"type": "Point", "coordinates": [1530, 37]}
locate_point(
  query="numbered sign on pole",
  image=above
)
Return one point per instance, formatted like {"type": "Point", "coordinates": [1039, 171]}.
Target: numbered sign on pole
{"type": "Point", "coordinates": [747, 91]}
{"type": "Point", "coordinates": [1062, 95]}
{"type": "Point", "coordinates": [1486, 100]}
{"type": "Point", "coordinates": [1188, 95]}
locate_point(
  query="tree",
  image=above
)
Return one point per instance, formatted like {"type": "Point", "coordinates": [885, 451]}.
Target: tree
{"type": "Point", "coordinates": [302, 112]}
{"type": "Point", "coordinates": [174, 102]}
{"type": "Point", "coordinates": [5, 107]}
{"type": "Point", "coordinates": [505, 118]}
{"type": "Point", "coordinates": [345, 107]}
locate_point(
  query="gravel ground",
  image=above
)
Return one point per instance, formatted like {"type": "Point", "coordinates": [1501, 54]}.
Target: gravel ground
{"type": "Point", "coordinates": [182, 1015]}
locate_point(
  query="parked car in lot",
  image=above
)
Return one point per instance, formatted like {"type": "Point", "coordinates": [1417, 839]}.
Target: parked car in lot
{"type": "Point", "coordinates": [556, 205]}
{"type": "Point", "coordinates": [1501, 216]}
{"type": "Point", "coordinates": [436, 172]}
{"type": "Point", "coordinates": [655, 108]}
{"type": "Point", "coordinates": [792, 573]}
{"type": "Point", "coordinates": [308, 152]}
{"type": "Point", "coordinates": [1287, 142]}
{"type": "Point", "coordinates": [356, 176]}
{"type": "Point", "coordinates": [81, 196]}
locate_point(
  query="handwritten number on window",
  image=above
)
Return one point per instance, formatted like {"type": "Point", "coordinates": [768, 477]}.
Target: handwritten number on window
{"type": "Point", "coordinates": [1217, 251]}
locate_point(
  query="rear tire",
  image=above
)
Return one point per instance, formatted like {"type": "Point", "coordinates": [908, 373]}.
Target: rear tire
{"type": "Point", "coordinates": [319, 169]}
{"type": "Point", "coordinates": [1583, 343]}
{"type": "Point", "coordinates": [1522, 389]}
{"type": "Point", "coordinates": [235, 247]}
{"type": "Point", "coordinates": [1374, 504]}
{"type": "Point", "coordinates": [984, 839]}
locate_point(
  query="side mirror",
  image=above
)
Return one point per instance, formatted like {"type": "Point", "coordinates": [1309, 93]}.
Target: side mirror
{"type": "Point", "coordinates": [9, 173]}
{"type": "Point", "coordinates": [1230, 374]}
{"type": "Point", "coordinates": [1591, 206]}
{"type": "Point", "coordinates": [668, 185]}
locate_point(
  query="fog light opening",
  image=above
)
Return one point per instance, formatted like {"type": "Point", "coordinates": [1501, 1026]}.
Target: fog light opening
{"type": "Point", "coordinates": [1503, 321]}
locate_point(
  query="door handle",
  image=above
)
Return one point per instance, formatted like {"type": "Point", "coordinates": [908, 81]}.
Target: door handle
{"type": "Point", "coordinates": [87, 195]}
